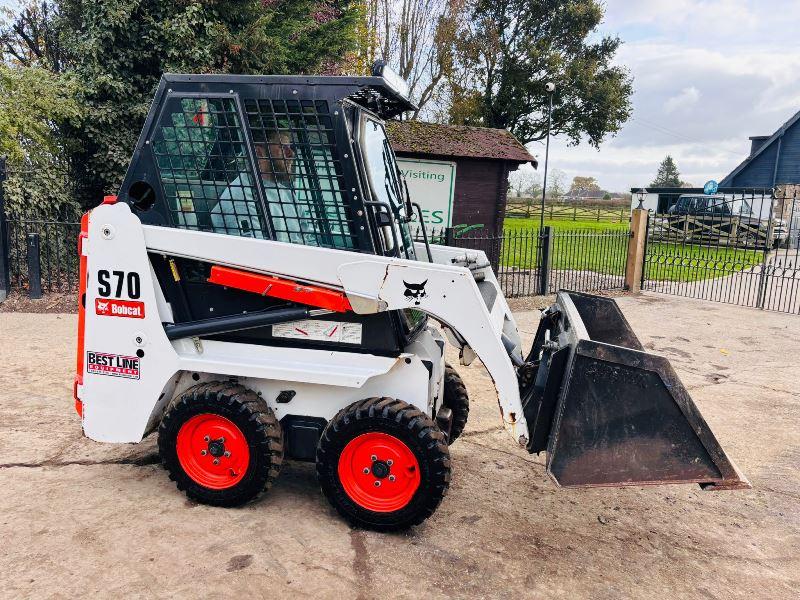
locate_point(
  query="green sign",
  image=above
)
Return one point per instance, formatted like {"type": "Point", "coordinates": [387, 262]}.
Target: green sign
{"type": "Point", "coordinates": [432, 184]}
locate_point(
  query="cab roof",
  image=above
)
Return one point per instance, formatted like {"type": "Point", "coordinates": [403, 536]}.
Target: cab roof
{"type": "Point", "coordinates": [373, 93]}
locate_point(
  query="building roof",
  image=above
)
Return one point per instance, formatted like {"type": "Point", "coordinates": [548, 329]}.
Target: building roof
{"type": "Point", "coordinates": [768, 144]}
{"type": "Point", "coordinates": [416, 137]}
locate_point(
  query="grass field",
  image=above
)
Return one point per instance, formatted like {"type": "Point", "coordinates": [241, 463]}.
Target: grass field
{"type": "Point", "coordinates": [602, 248]}
{"type": "Point", "coordinates": [513, 225]}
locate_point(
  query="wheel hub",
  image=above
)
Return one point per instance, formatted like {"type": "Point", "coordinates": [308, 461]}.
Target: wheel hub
{"type": "Point", "coordinates": [380, 469]}
{"type": "Point", "coordinates": [216, 448]}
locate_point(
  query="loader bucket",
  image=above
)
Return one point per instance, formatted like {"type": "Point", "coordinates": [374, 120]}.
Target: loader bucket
{"type": "Point", "coordinates": [608, 412]}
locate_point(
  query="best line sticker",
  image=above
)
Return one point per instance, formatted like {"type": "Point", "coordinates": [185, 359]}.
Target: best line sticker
{"type": "Point", "coordinates": [114, 365]}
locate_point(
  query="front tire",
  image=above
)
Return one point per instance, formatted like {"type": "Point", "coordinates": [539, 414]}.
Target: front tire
{"type": "Point", "coordinates": [457, 400]}
{"type": "Point", "coordinates": [221, 444]}
{"type": "Point", "coordinates": [383, 464]}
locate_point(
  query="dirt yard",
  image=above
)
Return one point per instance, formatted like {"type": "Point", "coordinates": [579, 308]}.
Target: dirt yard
{"type": "Point", "coordinates": [87, 519]}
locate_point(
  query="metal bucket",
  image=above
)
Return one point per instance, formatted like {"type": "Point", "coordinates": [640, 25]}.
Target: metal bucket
{"type": "Point", "coordinates": [610, 414]}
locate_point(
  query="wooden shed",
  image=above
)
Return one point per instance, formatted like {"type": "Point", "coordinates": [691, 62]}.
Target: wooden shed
{"type": "Point", "coordinates": [483, 159]}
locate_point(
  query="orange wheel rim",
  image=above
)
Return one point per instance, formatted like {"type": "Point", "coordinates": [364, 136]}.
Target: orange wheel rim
{"type": "Point", "coordinates": [213, 451]}
{"type": "Point", "coordinates": [379, 472]}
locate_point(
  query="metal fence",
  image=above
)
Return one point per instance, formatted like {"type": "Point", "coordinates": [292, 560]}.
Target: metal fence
{"type": "Point", "coordinates": [529, 262]}
{"type": "Point", "coordinates": [43, 256]}
{"type": "Point", "coordinates": [37, 255]}
{"type": "Point", "coordinates": [741, 248]}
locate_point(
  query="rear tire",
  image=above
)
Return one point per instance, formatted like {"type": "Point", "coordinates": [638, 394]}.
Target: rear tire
{"type": "Point", "coordinates": [457, 400]}
{"type": "Point", "coordinates": [221, 444]}
{"type": "Point", "coordinates": [405, 457]}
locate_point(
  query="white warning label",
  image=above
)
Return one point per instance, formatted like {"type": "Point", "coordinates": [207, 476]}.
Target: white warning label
{"type": "Point", "coordinates": [324, 331]}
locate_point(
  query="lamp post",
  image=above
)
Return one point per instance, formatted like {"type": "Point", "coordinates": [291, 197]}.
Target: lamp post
{"type": "Point", "coordinates": [640, 197]}
{"type": "Point", "coordinates": [550, 87]}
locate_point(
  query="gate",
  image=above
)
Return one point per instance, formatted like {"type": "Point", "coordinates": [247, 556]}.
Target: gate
{"type": "Point", "coordinates": [530, 262]}
{"type": "Point", "coordinates": [740, 248]}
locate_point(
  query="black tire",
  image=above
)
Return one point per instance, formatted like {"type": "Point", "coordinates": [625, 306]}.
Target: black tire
{"type": "Point", "coordinates": [456, 399]}
{"type": "Point", "coordinates": [417, 432]}
{"type": "Point", "coordinates": [260, 431]}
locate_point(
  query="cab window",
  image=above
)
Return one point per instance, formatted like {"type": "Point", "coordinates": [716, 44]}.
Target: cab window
{"type": "Point", "coordinates": [300, 171]}
{"type": "Point", "coordinates": [290, 189]}
{"type": "Point", "coordinates": [205, 171]}
{"type": "Point", "coordinates": [385, 179]}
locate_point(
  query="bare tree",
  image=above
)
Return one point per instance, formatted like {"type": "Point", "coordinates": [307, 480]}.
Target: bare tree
{"type": "Point", "coordinates": [525, 182]}
{"type": "Point", "coordinates": [29, 37]}
{"type": "Point", "coordinates": [555, 184]}
{"type": "Point", "coordinates": [414, 37]}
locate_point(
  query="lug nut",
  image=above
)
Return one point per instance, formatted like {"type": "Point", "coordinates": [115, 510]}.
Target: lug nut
{"type": "Point", "coordinates": [203, 452]}
{"type": "Point", "coordinates": [389, 462]}
{"type": "Point", "coordinates": [374, 458]}
{"type": "Point", "coordinates": [222, 440]}
{"type": "Point", "coordinates": [391, 477]}
{"type": "Point", "coordinates": [216, 461]}
{"type": "Point", "coordinates": [206, 439]}
{"type": "Point", "coordinates": [227, 454]}
{"type": "Point", "coordinates": [377, 484]}
{"type": "Point", "coordinates": [366, 470]}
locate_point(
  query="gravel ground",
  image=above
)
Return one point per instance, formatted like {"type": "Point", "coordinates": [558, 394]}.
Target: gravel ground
{"type": "Point", "coordinates": [88, 519]}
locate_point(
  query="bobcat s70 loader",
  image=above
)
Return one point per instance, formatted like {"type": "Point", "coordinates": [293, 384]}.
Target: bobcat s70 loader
{"type": "Point", "coordinates": [253, 293]}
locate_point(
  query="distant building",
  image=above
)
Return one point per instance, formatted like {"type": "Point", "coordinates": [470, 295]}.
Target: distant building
{"type": "Point", "coordinates": [459, 173]}
{"type": "Point", "coordinates": [773, 163]}
{"type": "Point", "coordinates": [774, 160]}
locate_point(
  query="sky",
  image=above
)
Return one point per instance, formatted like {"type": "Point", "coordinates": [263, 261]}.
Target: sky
{"type": "Point", "coordinates": [707, 75]}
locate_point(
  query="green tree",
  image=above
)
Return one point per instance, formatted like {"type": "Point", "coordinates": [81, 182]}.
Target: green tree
{"type": "Point", "coordinates": [118, 50]}
{"type": "Point", "coordinates": [35, 104]}
{"type": "Point", "coordinates": [507, 50]}
{"type": "Point", "coordinates": [667, 175]}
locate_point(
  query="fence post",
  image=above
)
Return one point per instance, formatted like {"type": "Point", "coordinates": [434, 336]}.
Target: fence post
{"type": "Point", "coordinates": [34, 267]}
{"type": "Point", "coordinates": [5, 271]}
{"type": "Point", "coordinates": [546, 240]}
{"type": "Point", "coordinates": [449, 236]}
{"type": "Point", "coordinates": [634, 264]}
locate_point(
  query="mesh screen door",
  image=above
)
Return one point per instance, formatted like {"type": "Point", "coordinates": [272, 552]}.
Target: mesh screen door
{"type": "Point", "coordinates": [205, 170]}
{"type": "Point", "coordinates": [211, 184]}
{"type": "Point", "coordinates": [300, 171]}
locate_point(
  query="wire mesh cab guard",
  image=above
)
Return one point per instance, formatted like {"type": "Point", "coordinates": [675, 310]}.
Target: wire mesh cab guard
{"type": "Point", "coordinates": [610, 413]}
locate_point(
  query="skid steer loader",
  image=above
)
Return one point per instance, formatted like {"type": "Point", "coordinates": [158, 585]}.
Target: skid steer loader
{"type": "Point", "coordinates": [253, 293]}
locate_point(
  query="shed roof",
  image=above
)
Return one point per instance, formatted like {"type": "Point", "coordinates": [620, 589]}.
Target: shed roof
{"type": "Point", "coordinates": [416, 137]}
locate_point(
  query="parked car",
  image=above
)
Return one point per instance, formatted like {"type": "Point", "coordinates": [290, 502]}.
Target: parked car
{"type": "Point", "coordinates": [719, 218]}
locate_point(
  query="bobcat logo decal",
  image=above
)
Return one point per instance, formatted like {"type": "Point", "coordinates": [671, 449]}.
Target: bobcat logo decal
{"type": "Point", "coordinates": [102, 307]}
{"type": "Point", "coordinates": [415, 291]}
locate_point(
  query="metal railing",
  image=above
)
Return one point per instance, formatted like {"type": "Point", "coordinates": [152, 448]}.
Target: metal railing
{"type": "Point", "coordinates": [528, 262]}
{"type": "Point", "coordinates": [43, 256]}
{"type": "Point", "coordinates": [743, 249]}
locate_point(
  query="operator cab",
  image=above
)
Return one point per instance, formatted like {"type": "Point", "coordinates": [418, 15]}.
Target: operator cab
{"type": "Point", "coordinates": [301, 160]}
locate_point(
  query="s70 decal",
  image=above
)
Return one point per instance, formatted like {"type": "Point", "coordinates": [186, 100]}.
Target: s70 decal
{"type": "Point", "coordinates": [118, 284]}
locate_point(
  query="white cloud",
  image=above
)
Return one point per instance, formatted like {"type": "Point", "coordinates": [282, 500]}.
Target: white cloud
{"type": "Point", "coordinates": [683, 101]}
{"type": "Point", "coordinates": [707, 75]}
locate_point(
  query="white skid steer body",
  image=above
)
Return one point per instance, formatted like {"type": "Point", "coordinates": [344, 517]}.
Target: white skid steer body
{"type": "Point", "coordinates": [125, 408]}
